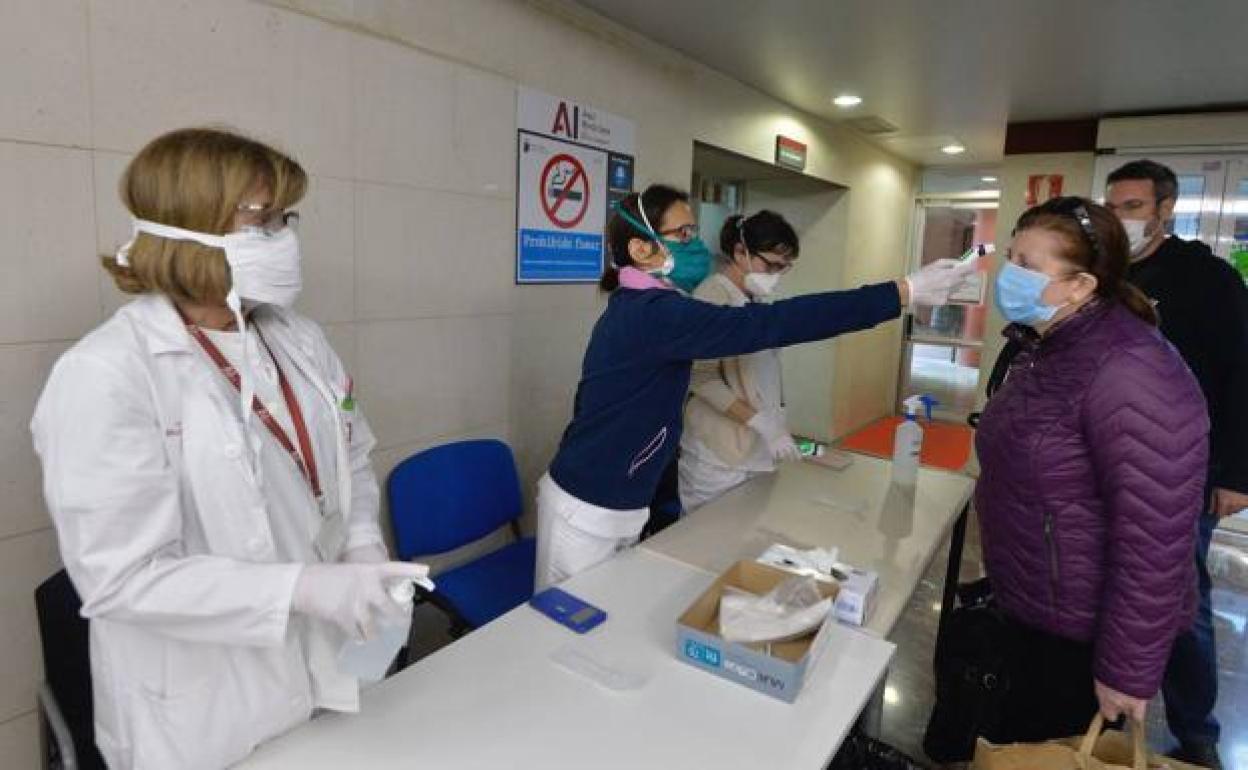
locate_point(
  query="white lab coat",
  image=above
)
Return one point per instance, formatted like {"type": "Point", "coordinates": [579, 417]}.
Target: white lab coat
{"type": "Point", "coordinates": [165, 526]}
{"type": "Point", "coordinates": [705, 474]}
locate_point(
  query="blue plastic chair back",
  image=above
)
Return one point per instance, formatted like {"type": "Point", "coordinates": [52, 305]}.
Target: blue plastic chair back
{"type": "Point", "coordinates": [450, 495]}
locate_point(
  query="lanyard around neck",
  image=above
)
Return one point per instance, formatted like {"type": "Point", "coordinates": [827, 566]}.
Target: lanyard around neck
{"type": "Point", "coordinates": [305, 463]}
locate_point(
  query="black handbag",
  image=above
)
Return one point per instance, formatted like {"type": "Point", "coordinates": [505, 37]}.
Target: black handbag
{"type": "Point", "coordinates": [972, 675]}
{"type": "Point", "coordinates": [972, 663]}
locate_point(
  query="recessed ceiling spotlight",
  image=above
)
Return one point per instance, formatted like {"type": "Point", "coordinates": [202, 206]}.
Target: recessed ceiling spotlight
{"type": "Point", "coordinates": [847, 100]}
{"type": "Point", "coordinates": [953, 149]}
{"type": "Point", "coordinates": [988, 179]}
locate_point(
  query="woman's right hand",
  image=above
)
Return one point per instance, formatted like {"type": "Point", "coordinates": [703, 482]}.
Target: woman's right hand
{"type": "Point", "coordinates": [1115, 704]}
{"type": "Point", "coordinates": [354, 597]}
{"type": "Point", "coordinates": [933, 284]}
{"type": "Point", "coordinates": [773, 429]}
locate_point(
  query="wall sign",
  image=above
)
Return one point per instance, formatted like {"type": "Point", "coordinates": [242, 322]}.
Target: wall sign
{"type": "Point", "coordinates": [1043, 187]}
{"type": "Point", "coordinates": [573, 162]}
{"type": "Point", "coordinates": [790, 153]}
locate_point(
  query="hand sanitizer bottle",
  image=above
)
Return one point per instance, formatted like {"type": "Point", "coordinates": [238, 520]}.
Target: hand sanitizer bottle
{"type": "Point", "coordinates": [908, 441]}
{"type": "Point", "coordinates": [369, 660]}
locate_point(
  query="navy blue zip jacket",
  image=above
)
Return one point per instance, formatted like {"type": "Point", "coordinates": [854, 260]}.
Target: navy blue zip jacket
{"type": "Point", "coordinates": [626, 422]}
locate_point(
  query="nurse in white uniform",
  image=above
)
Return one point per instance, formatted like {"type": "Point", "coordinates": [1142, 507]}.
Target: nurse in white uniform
{"type": "Point", "coordinates": [735, 426]}
{"type": "Point", "coordinates": [207, 470]}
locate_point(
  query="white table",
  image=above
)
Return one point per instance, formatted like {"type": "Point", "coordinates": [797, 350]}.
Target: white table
{"type": "Point", "coordinates": [875, 525]}
{"type": "Point", "coordinates": [496, 699]}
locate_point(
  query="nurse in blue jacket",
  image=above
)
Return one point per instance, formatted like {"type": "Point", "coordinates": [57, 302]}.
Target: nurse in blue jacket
{"type": "Point", "coordinates": [626, 420]}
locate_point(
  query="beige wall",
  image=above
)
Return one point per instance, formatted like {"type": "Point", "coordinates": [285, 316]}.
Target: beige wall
{"type": "Point", "coordinates": [1015, 169]}
{"type": "Point", "coordinates": [408, 229]}
{"type": "Point", "coordinates": [818, 213]}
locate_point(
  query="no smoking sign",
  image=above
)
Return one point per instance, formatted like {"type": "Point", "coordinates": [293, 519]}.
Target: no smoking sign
{"type": "Point", "coordinates": [565, 191]}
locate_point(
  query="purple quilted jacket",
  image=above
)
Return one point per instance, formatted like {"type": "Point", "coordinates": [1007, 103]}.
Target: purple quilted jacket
{"type": "Point", "coordinates": [1093, 457]}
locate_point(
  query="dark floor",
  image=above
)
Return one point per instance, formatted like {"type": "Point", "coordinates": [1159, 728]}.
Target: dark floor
{"type": "Point", "coordinates": [908, 694]}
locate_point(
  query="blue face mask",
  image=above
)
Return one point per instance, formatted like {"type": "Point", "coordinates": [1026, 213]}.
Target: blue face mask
{"type": "Point", "coordinates": [693, 262]}
{"type": "Point", "coordinates": [1018, 295]}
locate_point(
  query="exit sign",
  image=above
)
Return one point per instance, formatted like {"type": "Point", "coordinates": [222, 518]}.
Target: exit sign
{"type": "Point", "coordinates": [790, 153]}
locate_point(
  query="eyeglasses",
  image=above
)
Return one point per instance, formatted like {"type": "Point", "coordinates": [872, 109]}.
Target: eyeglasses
{"type": "Point", "coordinates": [267, 218]}
{"type": "Point", "coordinates": [684, 233]}
{"type": "Point", "coordinates": [774, 267]}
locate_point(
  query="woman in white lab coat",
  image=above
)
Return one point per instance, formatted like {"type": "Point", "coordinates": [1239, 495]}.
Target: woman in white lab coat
{"type": "Point", "coordinates": [735, 426]}
{"type": "Point", "coordinates": [223, 555]}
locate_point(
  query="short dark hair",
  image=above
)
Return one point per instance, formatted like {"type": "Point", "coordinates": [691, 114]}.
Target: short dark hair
{"type": "Point", "coordinates": [762, 231]}
{"type": "Point", "coordinates": [619, 231]}
{"type": "Point", "coordinates": [1165, 183]}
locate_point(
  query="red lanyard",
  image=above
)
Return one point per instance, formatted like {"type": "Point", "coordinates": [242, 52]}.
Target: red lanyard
{"type": "Point", "coordinates": [308, 469]}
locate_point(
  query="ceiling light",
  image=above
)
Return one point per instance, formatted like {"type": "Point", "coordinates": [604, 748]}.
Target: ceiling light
{"type": "Point", "coordinates": [988, 179]}
{"type": "Point", "coordinates": [847, 100]}
{"type": "Point", "coordinates": [953, 149]}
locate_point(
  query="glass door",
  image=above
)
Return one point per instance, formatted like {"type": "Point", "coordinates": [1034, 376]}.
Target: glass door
{"type": "Point", "coordinates": [941, 346]}
{"type": "Point", "coordinates": [1233, 233]}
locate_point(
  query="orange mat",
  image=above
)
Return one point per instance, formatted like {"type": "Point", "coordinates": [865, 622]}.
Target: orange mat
{"type": "Point", "coordinates": [945, 445]}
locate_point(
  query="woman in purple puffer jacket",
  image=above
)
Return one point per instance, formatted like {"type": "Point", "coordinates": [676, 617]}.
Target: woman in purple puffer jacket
{"type": "Point", "coordinates": [1093, 457]}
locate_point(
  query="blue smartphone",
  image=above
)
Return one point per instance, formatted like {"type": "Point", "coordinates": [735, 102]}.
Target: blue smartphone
{"type": "Point", "coordinates": [565, 609]}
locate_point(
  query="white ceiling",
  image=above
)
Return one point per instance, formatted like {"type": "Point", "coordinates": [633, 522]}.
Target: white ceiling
{"type": "Point", "coordinates": [944, 70]}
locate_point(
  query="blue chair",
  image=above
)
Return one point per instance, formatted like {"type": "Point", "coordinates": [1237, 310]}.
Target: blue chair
{"type": "Point", "coordinates": [451, 495]}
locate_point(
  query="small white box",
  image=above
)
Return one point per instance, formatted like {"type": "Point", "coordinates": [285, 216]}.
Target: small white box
{"type": "Point", "coordinates": [856, 599]}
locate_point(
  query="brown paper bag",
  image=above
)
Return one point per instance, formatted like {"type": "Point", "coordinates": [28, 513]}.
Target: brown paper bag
{"type": "Point", "coordinates": [1093, 751]}
{"type": "Point", "coordinates": [1054, 755]}
{"type": "Point", "coordinates": [1114, 749]}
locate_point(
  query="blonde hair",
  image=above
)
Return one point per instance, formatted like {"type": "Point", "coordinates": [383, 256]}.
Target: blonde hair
{"type": "Point", "coordinates": [195, 178]}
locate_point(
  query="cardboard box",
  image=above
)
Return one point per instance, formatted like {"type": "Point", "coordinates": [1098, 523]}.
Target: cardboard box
{"type": "Point", "coordinates": [779, 674]}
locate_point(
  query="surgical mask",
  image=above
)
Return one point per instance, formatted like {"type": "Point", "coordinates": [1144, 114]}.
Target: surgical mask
{"type": "Point", "coordinates": [1136, 234]}
{"type": "Point", "coordinates": [692, 262]}
{"type": "Point", "coordinates": [264, 267]}
{"type": "Point", "coordinates": [761, 284]}
{"type": "Point", "coordinates": [1018, 295]}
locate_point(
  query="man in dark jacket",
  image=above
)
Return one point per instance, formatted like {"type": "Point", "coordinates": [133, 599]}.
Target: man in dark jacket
{"type": "Point", "coordinates": [1203, 306]}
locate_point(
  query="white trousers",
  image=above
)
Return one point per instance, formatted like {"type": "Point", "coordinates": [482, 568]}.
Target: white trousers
{"type": "Point", "coordinates": [573, 535]}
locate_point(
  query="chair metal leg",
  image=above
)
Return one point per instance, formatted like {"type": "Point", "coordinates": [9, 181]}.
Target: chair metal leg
{"type": "Point", "coordinates": [58, 729]}
{"type": "Point", "coordinates": [458, 626]}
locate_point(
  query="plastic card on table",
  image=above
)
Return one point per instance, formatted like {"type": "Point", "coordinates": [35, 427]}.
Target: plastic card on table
{"type": "Point", "coordinates": [611, 670]}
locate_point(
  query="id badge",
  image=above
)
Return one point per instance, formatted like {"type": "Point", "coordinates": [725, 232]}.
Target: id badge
{"type": "Point", "coordinates": [332, 537]}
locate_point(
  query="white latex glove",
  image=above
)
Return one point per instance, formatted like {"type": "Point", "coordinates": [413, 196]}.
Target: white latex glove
{"type": "Point", "coordinates": [771, 426]}
{"type": "Point", "coordinates": [366, 554]}
{"type": "Point", "coordinates": [933, 284]}
{"type": "Point", "coordinates": [354, 597]}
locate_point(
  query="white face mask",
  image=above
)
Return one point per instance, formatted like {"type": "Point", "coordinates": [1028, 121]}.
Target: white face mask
{"type": "Point", "coordinates": [669, 261]}
{"type": "Point", "coordinates": [264, 268]}
{"type": "Point", "coordinates": [669, 264]}
{"type": "Point", "coordinates": [1137, 235]}
{"type": "Point", "coordinates": [761, 284]}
